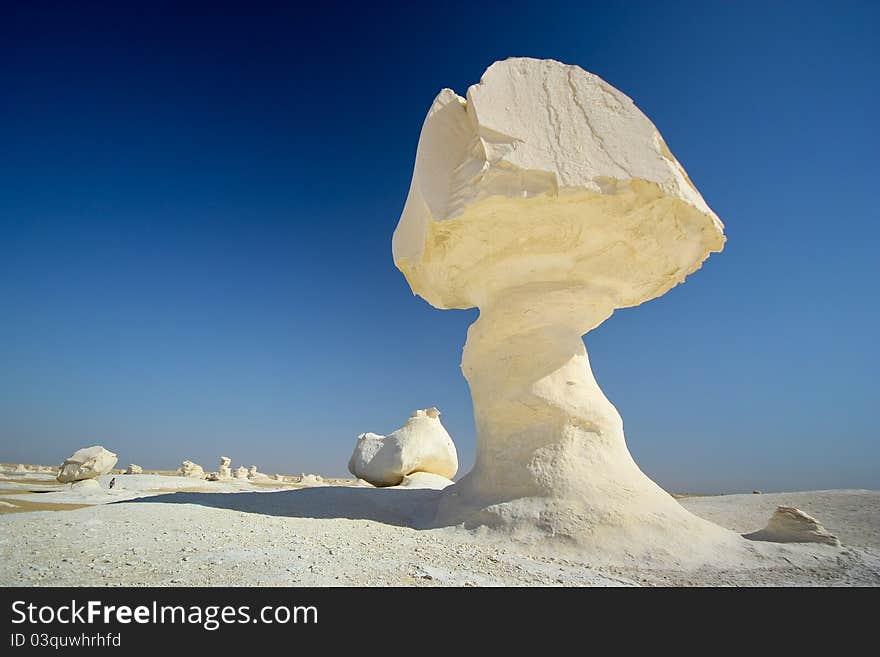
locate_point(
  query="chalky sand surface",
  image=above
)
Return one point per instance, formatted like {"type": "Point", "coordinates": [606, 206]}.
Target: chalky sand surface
{"type": "Point", "coordinates": [350, 535]}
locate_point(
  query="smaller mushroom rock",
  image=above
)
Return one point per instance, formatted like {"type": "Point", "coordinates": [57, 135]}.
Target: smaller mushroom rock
{"type": "Point", "coordinates": [134, 469]}
{"type": "Point", "coordinates": [311, 480]}
{"type": "Point", "coordinates": [241, 472]}
{"type": "Point", "coordinates": [791, 525]}
{"type": "Point", "coordinates": [190, 469]}
{"type": "Point", "coordinates": [225, 471]}
{"type": "Point", "coordinates": [420, 445]}
{"type": "Point", "coordinates": [87, 463]}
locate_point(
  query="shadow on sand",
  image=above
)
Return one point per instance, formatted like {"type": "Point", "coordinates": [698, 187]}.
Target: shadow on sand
{"type": "Point", "coordinates": [401, 507]}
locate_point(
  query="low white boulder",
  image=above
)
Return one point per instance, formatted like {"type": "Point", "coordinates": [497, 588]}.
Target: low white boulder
{"type": "Point", "coordinates": [87, 463]}
{"type": "Point", "coordinates": [134, 469]}
{"type": "Point", "coordinates": [241, 472]}
{"type": "Point", "coordinates": [791, 525]}
{"type": "Point", "coordinates": [420, 445]}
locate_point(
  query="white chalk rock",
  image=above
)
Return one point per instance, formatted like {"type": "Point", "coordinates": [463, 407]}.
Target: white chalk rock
{"type": "Point", "coordinates": [225, 471]}
{"type": "Point", "coordinates": [42, 469]}
{"type": "Point", "coordinates": [190, 469]}
{"type": "Point", "coordinates": [134, 469]}
{"type": "Point", "coordinates": [424, 480]}
{"type": "Point", "coordinates": [420, 445]}
{"type": "Point", "coordinates": [547, 199]}
{"type": "Point", "coordinates": [278, 477]}
{"type": "Point", "coordinates": [86, 485]}
{"type": "Point", "coordinates": [311, 480]}
{"type": "Point", "coordinates": [21, 468]}
{"type": "Point", "coordinates": [241, 472]}
{"type": "Point", "coordinates": [791, 525]}
{"type": "Point", "coordinates": [87, 463]}
{"type": "Point", "coordinates": [254, 475]}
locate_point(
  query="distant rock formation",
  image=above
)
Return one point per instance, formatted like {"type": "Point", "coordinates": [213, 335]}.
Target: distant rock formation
{"type": "Point", "coordinates": [190, 469]}
{"type": "Point", "coordinates": [791, 525]}
{"type": "Point", "coordinates": [225, 472]}
{"type": "Point", "coordinates": [87, 463]}
{"type": "Point", "coordinates": [241, 472]}
{"type": "Point", "coordinates": [134, 469]}
{"type": "Point", "coordinates": [311, 480]}
{"type": "Point", "coordinates": [254, 475]}
{"type": "Point", "coordinates": [422, 444]}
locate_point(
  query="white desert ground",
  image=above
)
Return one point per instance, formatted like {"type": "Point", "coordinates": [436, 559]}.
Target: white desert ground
{"type": "Point", "coordinates": [166, 530]}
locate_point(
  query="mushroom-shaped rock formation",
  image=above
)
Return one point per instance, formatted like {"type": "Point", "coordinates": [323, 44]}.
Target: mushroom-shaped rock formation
{"type": "Point", "coordinates": [133, 468]}
{"type": "Point", "coordinates": [791, 525]}
{"type": "Point", "coordinates": [87, 463]}
{"type": "Point", "coordinates": [190, 469]}
{"type": "Point", "coordinates": [548, 200]}
{"type": "Point", "coordinates": [422, 444]}
{"type": "Point", "coordinates": [241, 472]}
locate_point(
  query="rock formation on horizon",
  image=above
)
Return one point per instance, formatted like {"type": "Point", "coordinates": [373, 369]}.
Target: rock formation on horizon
{"type": "Point", "coordinates": [190, 469]}
{"type": "Point", "coordinates": [225, 471]}
{"type": "Point", "coordinates": [134, 469]}
{"type": "Point", "coordinates": [422, 444]}
{"type": "Point", "coordinates": [253, 474]}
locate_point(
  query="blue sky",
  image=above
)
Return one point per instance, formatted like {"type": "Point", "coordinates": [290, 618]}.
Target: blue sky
{"type": "Point", "coordinates": [197, 204]}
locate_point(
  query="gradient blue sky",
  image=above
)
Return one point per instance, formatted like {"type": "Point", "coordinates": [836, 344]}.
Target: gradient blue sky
{"type": "Point", "coordinates": [197, 202]}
